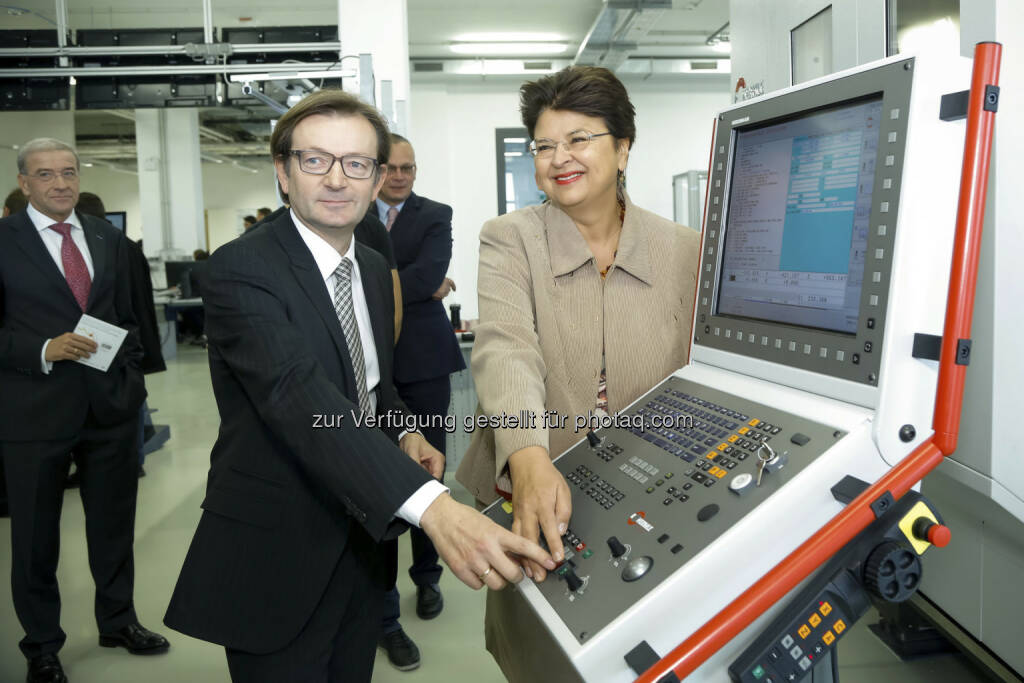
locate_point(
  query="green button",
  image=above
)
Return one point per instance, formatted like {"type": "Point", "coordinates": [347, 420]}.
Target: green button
{"type": "Point", "coordinates": [758, 672]}
{"type": "Point", "coordinates": [650, 489]}
{"type": "Point", "coordinates": [587, 553]}
{"type": "Point", "coordinates": [669, 475]}
{"type": "Point", "coordinates": [563, 570]}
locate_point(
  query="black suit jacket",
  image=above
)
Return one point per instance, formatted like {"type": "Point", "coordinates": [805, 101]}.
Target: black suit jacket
{"type": "Point", "coordinates": [421, 238]}
{"type": "Point", "coordinates": [284, 495]}
{"type": "Point", "coordinates": [36, 304]}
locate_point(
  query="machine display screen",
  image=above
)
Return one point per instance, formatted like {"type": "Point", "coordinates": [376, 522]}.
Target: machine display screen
{"type": "Point", "coordinates": [796, 228]}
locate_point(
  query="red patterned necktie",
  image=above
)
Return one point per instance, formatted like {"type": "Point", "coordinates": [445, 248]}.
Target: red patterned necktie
{"type": "Point", "coordinates": [392, 215]}
{"type": "Point", "coordinates": [75, 270]}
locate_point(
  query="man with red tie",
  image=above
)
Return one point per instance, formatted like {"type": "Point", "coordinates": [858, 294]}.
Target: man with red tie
{"type": "Point", "coordinates": [55, 266]}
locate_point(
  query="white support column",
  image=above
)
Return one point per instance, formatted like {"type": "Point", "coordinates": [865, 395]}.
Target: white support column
{"type": "Point", "coordinates": [185, 180]}
{"type": "Point", "coordinates": [381, 30]}
{"type": "Point", "coordinates": [149, 139]}
{"type": "Point", "coordinates": [170, 181]}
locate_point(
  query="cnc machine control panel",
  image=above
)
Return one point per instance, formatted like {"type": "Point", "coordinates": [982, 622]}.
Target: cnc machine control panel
{"type": "Point", "coordinates": [646, 499]}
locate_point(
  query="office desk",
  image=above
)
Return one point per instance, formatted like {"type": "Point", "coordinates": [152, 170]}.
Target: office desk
{"type": "Point", "coordinates": [168, 322]}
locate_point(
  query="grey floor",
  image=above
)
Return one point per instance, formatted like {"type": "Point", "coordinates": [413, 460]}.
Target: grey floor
{"type": "Point", "coordinates": [168, 510]}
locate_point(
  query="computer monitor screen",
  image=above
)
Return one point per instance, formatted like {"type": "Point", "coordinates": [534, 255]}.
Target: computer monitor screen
{"type": "Point", "coordinates": [117, 218]}
{"type": "Point", "coordinates": [796, 227]}
{"type": "Point", "coordinates": [177, 272]}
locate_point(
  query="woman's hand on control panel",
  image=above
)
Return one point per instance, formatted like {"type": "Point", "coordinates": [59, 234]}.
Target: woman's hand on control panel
{"type": "Point", "coordinates": [541, 503]}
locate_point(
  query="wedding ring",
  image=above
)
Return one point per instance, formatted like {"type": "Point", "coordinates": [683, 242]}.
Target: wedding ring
{"type": "Point", "coordinates": [484, 575]}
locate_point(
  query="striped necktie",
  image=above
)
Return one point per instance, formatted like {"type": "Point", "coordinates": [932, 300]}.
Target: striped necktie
{"type": "Point", "coordinates": [392, 215]}
{"type": "Point", "coordinates": [347, 317]}
{"type": "Point", "coordinates": [75, 270]}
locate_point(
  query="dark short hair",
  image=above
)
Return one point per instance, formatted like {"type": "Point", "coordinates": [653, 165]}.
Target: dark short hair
{"type": "Point", "coordinates": [328, 102]}
{"type": "Point", "coordinates": [250, 219]}
{"type": "Point", "coordinates": [589, 90]}
{"type": "Point", "coordinates": [91, 205]}
{"type": "Point", "coordinates": [15, 201]}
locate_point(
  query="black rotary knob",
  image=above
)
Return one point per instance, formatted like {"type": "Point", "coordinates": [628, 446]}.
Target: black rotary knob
{"type": "Point", "coordinates": [892, 572]}
{"type": "Point", "coordinates": [574, 581]}
{"type": "Point", "coordinates": [615, 545]}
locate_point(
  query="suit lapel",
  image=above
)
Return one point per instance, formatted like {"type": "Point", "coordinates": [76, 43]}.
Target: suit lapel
{"type": "Point", "coordinates": [28, 240]}
{"type": "Point", "coordinates": [98, 247]}
{"type": "Point", "coordinates": [375, 302]}
{"type": "Point", "coordinates": [312, 284]}
{"type": "Point", "coordinates": [407, 218]}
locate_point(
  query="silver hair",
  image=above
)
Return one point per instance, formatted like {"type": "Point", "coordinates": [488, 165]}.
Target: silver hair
{"type": "Point", "coordinates": [42, 145]}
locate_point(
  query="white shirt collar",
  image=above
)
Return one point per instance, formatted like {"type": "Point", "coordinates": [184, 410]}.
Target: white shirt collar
{"type": "Point", "coordinates": [42, 222]}
{"type": "Point", "coordinates": [327, 257]}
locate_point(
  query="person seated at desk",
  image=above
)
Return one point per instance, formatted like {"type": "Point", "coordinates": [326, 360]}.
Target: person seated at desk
{"type": "Point", "coordinates": [565, 289]}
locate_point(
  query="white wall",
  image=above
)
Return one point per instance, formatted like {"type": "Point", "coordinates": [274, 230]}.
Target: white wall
{"type": "Point", "coordinates": [760, 36]}
{"type": "Point", "coordinates": [119, 192]}
{"type": "Point", "coordinates": [452, 128]}
{"type": "Point", "coordinates": [231, 193]}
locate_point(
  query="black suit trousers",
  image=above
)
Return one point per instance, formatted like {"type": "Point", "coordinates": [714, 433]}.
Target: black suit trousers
{"type": "Point", "coordinates": [426, 399]}
{"type": "Point", "coordinates": [107, 460]}
{"type": "Point", "coordinates": [339, 642]}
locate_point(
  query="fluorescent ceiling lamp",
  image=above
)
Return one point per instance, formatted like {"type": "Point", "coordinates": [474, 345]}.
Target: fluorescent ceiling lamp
{"type": "Point", "coordinates": [722, 46]}
{"type": "Point", "coordinates": [513, 154]}
{"type": "Point", "coordinates": [509, 37]}
{"type": "Point", "coordinates": [519, 140]}
{"type": "Point", "coordinates": [508, 48]}
{"type": "Point", "coordinates": [291, 75]}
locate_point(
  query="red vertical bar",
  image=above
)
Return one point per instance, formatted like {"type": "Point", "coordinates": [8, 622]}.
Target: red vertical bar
{"type": "Point", "coordinates": [970, 217]}
{"type": "Point", "coordinates": [855, 517]}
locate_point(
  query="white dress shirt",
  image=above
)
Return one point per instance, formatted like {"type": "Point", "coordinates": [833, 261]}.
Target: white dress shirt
{"type": "Point", "coordinates": [327, 261]}
{"type": "Point", "coordinates": [52, 240]}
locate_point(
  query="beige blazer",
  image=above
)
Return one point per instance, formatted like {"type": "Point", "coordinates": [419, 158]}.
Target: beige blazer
{"type": "Point", "coordinates": [544, 312]}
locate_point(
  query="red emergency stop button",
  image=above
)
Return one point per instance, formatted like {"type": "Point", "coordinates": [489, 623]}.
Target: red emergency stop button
{"type": "Point", "coordinates": [939, 535]}
{"type": "Point", "coordinates": [926, 529]}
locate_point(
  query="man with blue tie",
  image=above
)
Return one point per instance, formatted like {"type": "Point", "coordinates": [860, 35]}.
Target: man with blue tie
{"type": "Point", "coordinates": [427, 352]}
{"type": "Point", "coordinates": [55, 266]}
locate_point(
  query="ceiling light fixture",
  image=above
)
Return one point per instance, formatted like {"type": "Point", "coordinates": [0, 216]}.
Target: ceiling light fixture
{"type": "Point", "coordinates": [509, 37]}
{"type": "Point", "coordinates": [508, 48]}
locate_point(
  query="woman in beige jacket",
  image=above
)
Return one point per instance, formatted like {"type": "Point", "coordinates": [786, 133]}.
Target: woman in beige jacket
{"type": "Point", "coordinates": [585, 304]}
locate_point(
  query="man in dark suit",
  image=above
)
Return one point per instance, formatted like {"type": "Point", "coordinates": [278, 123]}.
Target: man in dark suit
{"type": "Point", "coordinates": [285, 568]}
{"type": "Point", "coordinates": [426, 354]}
{"type": "Point", "coordinates": [55, 265]}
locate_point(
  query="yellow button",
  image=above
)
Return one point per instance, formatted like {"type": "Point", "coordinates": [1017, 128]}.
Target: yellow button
{"type": "Point", "coordinates": [733, 438]}
{"type": "Point", "coordinates": [839, 626]}
{"type": "Point", "coordinates": [721, 473]}
{"type": "Point", "coordinates": [814, 620]}
{"type": "Point", "coordinates": [711, 455]}
{"type": "Point", "coordinates": [804, 631]}
{"type": "Point", "coordinates": [828, 638]}
{"type": "Point", "coordinates": [722, 446]}
{"type": "Point", "coordinates": [826, 609]}
{"type": "Point", "coordinates": [743, 430]}
{"type": "Point", "coordinates": [507, 507]}
{"type": "Point", "coordinates": [754, 422]}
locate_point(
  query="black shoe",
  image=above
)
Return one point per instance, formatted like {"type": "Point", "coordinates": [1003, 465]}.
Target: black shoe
{"type": "Point", "coordinates": [142, 472]}
{"type": "Point", "coordinates": [45, 669]}
{"type": "Point", "coordinates": [135, 639]}
{"type": "Point", "coordinates": [429, 602]}
{"type": "Point", "coordinates": [402, 652]}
